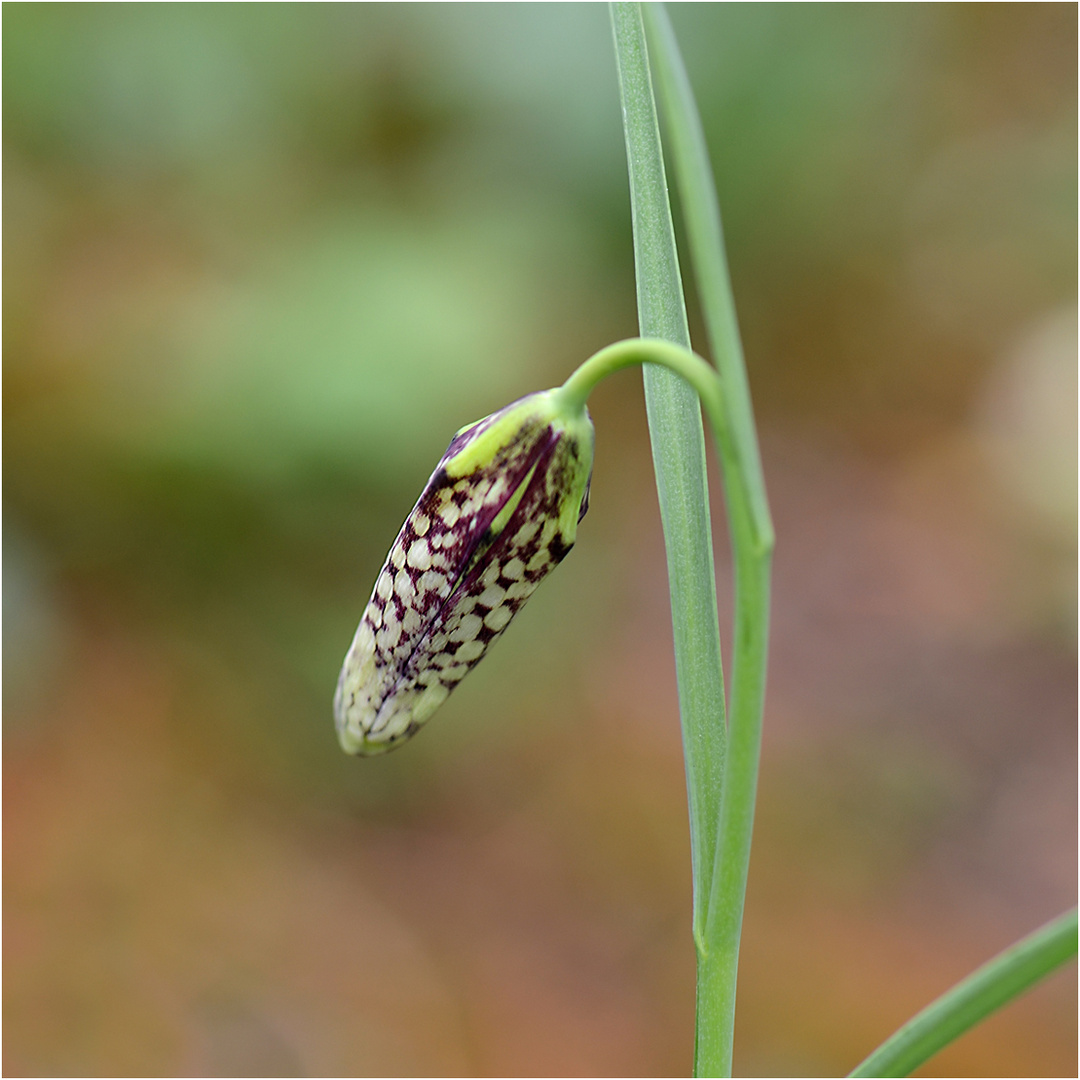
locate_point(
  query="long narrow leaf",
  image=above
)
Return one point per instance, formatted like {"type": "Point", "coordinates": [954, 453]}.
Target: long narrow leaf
{"type": "Point", "coordinates": [678, 457]}
{"type": "Point", "coordinates": [997, 982]}
{"type": "Point", "coordinates": [751, 542]}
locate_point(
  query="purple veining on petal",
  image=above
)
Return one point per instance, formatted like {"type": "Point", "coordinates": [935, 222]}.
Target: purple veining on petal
{"type": "Point", "coordinates": [492, 593]}
{"type": "Point", "coordinates": [415, 591]}
{"type": "Point", "coordinates": [450, 585]}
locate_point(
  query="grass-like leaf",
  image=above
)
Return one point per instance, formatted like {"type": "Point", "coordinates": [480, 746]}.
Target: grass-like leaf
{"type": "Point", "coordinates": [678, 447]}
{"type": "Point", "coordinates": [996, 983]}
{"type": "Point", "coordinates": [721, 813]}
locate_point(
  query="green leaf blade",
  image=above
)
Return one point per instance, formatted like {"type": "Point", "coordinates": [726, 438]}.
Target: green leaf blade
{"type": "Point", "coordinates": [997, 982]}
{"type": "Point", "coordinates": [678, 446]}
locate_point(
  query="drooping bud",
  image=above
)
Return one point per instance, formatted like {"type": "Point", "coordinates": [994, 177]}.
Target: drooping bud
{"type": "Point", "coordinates": [499, 513]}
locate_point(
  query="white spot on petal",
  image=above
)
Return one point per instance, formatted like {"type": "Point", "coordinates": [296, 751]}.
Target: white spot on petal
{"type": "Point", "coordinates": [498, 618]}
{"type": "Point", "coordinates": [526, 533]}
{"type": "Point", "coordinates": [539, 560]}
{"type": "Point", "coordinates": [430, 581]}
{"type": "Point", "coordinates": [403, 586]}
{"type": "Point", "coordinates": [363, 641]}
{"type": "Point", "coordinates": [469, 651]}
{"type": "Point", "coordinates": [420, 555]}
{"type": "Point", "coordinates": [492, 596]}
{"type": "Point", "coordinates": [429, 701]}
{"type": "Point", "coordinates": [467, 629]}
{"type": "Point", "coordinates": [521, 590]}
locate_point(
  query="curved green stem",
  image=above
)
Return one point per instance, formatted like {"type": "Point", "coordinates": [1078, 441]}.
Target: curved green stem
{"type": "Point", "coordinates": [718, 939]}
{"type": "Point", "coordinates": [997, 982]}
{"type": "Point", "coordinates": [635, 351]}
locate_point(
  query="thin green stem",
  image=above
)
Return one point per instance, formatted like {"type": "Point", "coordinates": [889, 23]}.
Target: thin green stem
{"type": "Point", "coordinates": [751, 541]}
{"type": "Point", "coordinates": [716, 967]}
{"type": "Point", "coordinates": [997, 982]}
{"type": "Point", "coordinates": [687, 365]}
{"type": "Point", "coordinates": [679, 461]}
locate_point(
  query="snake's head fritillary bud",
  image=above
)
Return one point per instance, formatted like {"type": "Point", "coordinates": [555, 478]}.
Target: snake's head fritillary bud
{"type": "Point", "coordinates": [498, 514]}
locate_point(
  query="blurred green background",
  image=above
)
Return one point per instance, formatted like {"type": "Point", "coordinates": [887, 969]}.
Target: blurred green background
{"type": "Point", "coordinates": [261, 262]}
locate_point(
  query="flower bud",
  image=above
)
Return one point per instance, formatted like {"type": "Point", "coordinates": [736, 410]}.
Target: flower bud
{"type": "Point", "coordinates": [499, 513]}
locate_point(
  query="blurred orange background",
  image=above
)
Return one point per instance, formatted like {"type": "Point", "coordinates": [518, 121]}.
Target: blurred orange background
{"type": "Point", "coordinates": [262, 262]}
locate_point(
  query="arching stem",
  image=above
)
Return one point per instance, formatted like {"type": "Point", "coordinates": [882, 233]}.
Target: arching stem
{"type": "Point", "coordinates": [635, 351]}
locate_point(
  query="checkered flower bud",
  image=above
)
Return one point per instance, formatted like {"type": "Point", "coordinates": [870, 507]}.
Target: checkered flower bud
{"type": "Point", "coordinates": [498, 514]}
